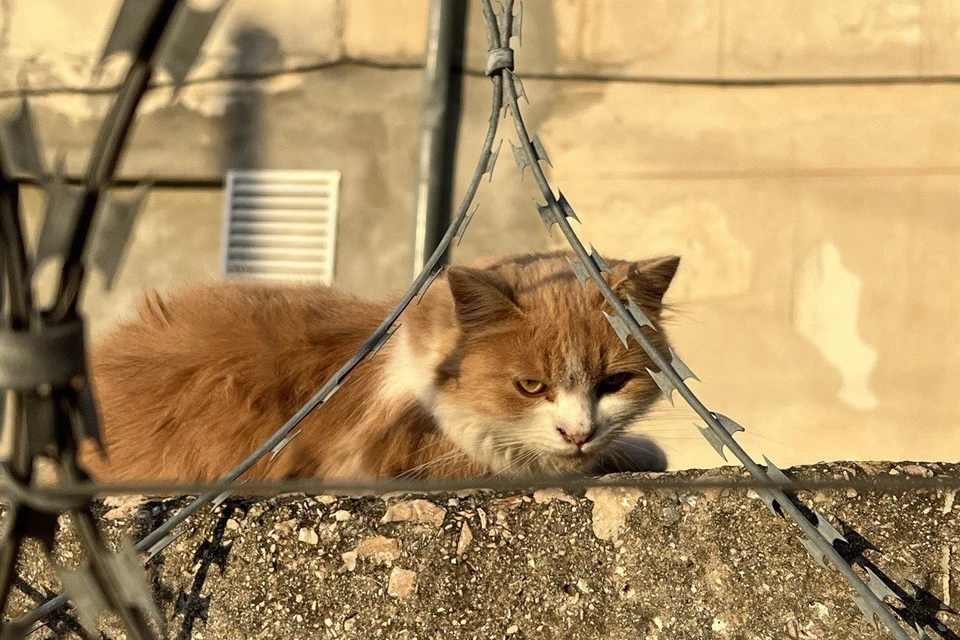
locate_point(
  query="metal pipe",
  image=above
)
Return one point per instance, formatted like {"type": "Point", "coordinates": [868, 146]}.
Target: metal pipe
{"type": "Point", "coordinates": [438, 128]}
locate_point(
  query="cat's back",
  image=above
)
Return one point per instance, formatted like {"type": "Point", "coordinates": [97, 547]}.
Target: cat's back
{"type": "Point", "coordinates": [231, 320]}
{"type": "Point", "coordinates": [211, 370]}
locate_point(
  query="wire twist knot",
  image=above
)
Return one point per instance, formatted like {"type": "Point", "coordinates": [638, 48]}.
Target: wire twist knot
{"type": "Point", "coordinates": [499, 59]}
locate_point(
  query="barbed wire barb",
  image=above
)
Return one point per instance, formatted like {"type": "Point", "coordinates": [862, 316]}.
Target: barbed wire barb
{"type": "Point", "coordinates": [598, 260]}
{"type": "Point", "coordinates": [546, 214]}
{"type": "Point", "coordinates": [827, 530]}
{"type": "Point", "coordinates": [565, 209]}
{"type": "Point", "coordinates": [541, 152]}
{"type": "Point", "coordinates": [520, 158]}
{"type": "Point", "coordinates": [713, 440]}
{"type": "Point", "coordinates": [667, 387]}
{"type": "Point", "coordinates": [518, 24]}
{"type": "Point", "coordinates": [579, 272]}
{"type": "Point", "coordinates": [619, 326]}
{"type": "Point", "coordinates": [283, 443]}
{"type": "Point", "coordinates": [491, 163]}
{"type": "Point", "coordinates": [382, 340]}
{"type": "Point", "coordinates": [520, 92]}
{"type": "Point", "coordinates": [167, 540]}
{"type": "Point", "coordinates": [680, 366]}
{"type": "Point", "coordinates": [879, 587]}
{"type": "Point", "coordinates": [466, 222]}
{"type": "Point", "coordinates": [638, 315]}
{"type": "Point", "coordinates": [426, 284]}
{"type": "Point", "coordinates": [814, 550]}
{"type": "Point", "coordinates": [775, 474]}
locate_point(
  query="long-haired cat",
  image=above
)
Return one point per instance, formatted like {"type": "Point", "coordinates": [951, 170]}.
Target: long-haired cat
{"type": "Point", "coordinates": [508, 368]}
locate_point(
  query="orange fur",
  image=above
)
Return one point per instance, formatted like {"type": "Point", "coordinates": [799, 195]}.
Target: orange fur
{"type": "Point", "coordinates": [204, 377]}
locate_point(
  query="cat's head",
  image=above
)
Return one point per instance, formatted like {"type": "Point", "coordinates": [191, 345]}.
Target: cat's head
{"type": "Point", "coordinates": [539, 381]}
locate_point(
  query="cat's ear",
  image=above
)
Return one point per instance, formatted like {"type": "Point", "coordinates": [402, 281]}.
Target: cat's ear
{"type": "Point", "coordinates": [481, 296]}
{"type": "Point", "coordinates": [645, 281]}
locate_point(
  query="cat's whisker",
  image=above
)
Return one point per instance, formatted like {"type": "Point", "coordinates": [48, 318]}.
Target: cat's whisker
{"type": "Point", "coordinates": [643, 446]}
{"type": "Point", "coordinates": [684, 418]}
{"type": "Point", "coordinates": [753, 435]}
{"type": "Point", "coordinates": [677, 435]}
{"type": "Point", "coordinates": [416, 468]}
{"type": "Point", "coordinates": [519, 464]}
{"type": "Point", "coordinates": [413, 470]}
{"type": "Point", "coordinates": [443, 460]}
{"type": "Point", "coordinates": [526, 457]}
{"type": "Point", "coordinates": [620, 456]}
{"type": "Point", "coordinates": [672, 450]}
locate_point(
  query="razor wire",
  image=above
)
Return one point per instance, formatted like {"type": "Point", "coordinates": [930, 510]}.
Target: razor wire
{"type": "Point", "coordinates": [162, 536]}
{"type": "Point", "coordinates": [137, 20]}
{"type": "Point", "coordinates": [629, 321]}
{"type": "Point", "coordinates": [48, 405]}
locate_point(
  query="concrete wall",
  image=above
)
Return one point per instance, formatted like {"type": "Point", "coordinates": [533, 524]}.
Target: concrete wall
{"type": "Point", "coordinates": [605, 564]}
{"type": "Point", "coordinates": [814, 202]}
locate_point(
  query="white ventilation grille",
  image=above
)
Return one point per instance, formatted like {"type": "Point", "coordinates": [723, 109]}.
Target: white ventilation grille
{"type": "Point", "coordinates": [281, 225]}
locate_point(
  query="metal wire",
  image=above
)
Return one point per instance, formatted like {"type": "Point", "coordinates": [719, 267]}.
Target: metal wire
{"type": "Point", "coordinates": [565, 75]}
{"type": "Point", "coordinates": [883, 484]}
{"type": "Point", "coordinates": [44, 413]}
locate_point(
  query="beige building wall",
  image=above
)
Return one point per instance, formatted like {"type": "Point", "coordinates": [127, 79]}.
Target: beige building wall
{"type": "Point", "coordinates": [802, 158]}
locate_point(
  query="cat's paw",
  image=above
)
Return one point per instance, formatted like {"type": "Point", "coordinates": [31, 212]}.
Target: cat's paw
{"type": "Point", "coordinates": [632, 453]}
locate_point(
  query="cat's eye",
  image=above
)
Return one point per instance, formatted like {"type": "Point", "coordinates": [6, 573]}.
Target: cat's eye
{"type": "Point", "coordinates": [614, 383]}
{"type": "Point", "coordinates": [531, 387]}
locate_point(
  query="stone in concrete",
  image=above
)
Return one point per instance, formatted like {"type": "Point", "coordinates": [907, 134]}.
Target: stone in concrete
{"type": "Point", "coordinates": [416, 511]}
{"type": "Point", "coordinates": [308, 536]}
{"type": "Point", "coordinates": [466, 538]}
{"type": "Point", "coordinates": [403, 583]}
{"type": "Point", "coordinates": [379, 549]}
{"type": "Point", "coordinates": [611, 506]}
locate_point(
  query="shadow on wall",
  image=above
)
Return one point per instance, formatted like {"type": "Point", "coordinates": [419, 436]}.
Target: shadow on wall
{"type": "Point", "coordinates": [243, 122]}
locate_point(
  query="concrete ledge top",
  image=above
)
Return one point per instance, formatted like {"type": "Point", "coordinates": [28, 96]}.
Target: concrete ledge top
{"type": "Point", "coordinates": [606, 563]}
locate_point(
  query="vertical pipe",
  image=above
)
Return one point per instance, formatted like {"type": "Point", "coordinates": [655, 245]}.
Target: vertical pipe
{"type": "Point", "coordinates": [438, 127]}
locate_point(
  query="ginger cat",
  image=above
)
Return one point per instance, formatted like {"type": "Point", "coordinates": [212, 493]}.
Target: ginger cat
{"type": "Point", "coordinates": [508, 368]}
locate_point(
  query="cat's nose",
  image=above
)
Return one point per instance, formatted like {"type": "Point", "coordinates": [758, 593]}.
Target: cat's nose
{"type": "Point", "coordinates": [576, 436]}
